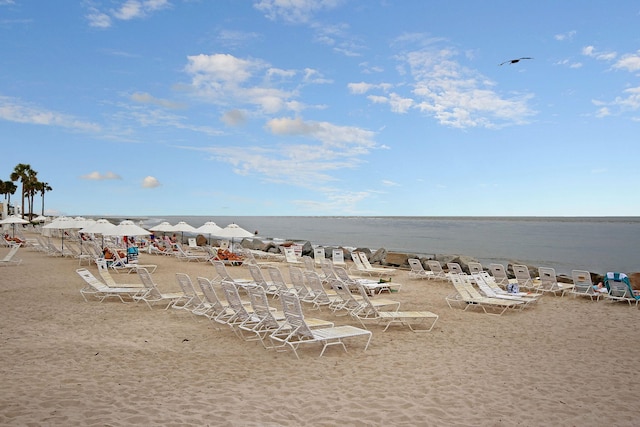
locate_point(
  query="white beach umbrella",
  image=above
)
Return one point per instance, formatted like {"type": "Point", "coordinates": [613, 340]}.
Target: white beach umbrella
{"type": "Point", "coordinates": [182, 227]}
{"type": "Point", "coordinates": [127, 228]}
{"type": "Point", "coordinates": [61, 223]}
{"type": "Point", "coordinates": [210, 228]}
{"type": "Point", "coordinates": [13, 220]}
{"type": "Point", "coordinates": [233, 231]}
{"type": "Point", "coordinates": [100, 226]}
{"type": "Point", "coordinates": [163, 227]}
{"type": "Point", "coordinates": [39, 218]}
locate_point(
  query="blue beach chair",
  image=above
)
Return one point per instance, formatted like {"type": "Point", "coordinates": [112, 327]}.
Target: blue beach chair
{"type": "Point", "coordinates": [620, 289]}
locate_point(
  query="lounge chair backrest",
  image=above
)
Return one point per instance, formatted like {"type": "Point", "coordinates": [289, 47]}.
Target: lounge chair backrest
{"type": "Point", "coordinates": [318, 255]}
{"type": "Point", "coordinates": [186, 285]}
{"type": "Point", "coordinates": [233, 298]}
{"type": "Point", "coordinates": [454, 268]}
{"type": "Point", "coordinates": [297, 280]}
{"type": "Point", "coordinates": [260, 306]}
{"type": "Point", "coordinates": [435, 266]}
{"type": "Point", "coordinates": [416, 265]}
{"type": "Point", "coordinates": [582, 282]}
{"type": "Point", "coordinates": [475, 267]}
{"type": "Point", "coordinates": [12, 252]}
{"type": "Point", "coordinates": [209, 294]}
{"type": "Point", "coordinates": [357, 261]}
{"type": "Point", "coordinates": [342, 275]}
{"type": "Point", "coordinates": [342, 290]}
{"type": "Point", "coordinates": [337, 256]}
{"type": "Point", "coordinates": [327, 269]}
{"type": "Point", "coordinates": [522, 274]}
{"type": "Point", "coordinates": [618, 285]}
{"type": "Point", "coordinates": [293, 313]}
{"type": "Point", "coordinates": [309, 264]}
{"type": "Point", "coordinates": [277, 279]}
{"type": "Point", "coordinates": [547, 277]}
{"type": "Point", "coordinates": [103, 271]}
{"type": "Point", "coordinates": [499, 273]}
{"type": "Point", "coordinates": [221, 269]}
{"type": "Point", "coordinates": [147, 281]}
{"type": "Point", "coordinates": [314, 283]}
{"type": "Point", "coordinates": [90, 279]}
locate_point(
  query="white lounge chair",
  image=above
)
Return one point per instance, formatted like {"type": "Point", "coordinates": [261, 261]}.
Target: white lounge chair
{"type": "Point", "coordinates": [498, 292]}
{"type": "Point", "coordinates": [620, 288]}
{"type": "Point", "coordinates": [583, 286]}
{"type": "Point", "coordinates": [183, 255]}
{"type": "Point", "coordinates": [549, 282]}
{"type": "Point", "coordinates": [108, 279]}
{"type": "Point", "coordinates": [362, 266]}
{"type": "Point", "coordinates": [9, 258]}
{"type": "Point", "coordinates": [319, 255]}
{"type": "Point", "coordinates": [290, 255]}
{"type": "Point", "coordinates": [499, 274]}
{"type": "Point", "coordinates": [417, 270]}
{"type": "Point", "coordinates": [101, 291]}
{"type": "Point", "coordinates": [469, 297]}
{"type": "Point", "coordinates": [436, 269]}
{"type": "Point", "coordinates": [523, 277]}
{"type": "Point", "coordinates": [454, 268]}
{"type": "Point", "coordinates": [414, 320]}
{"type": "Point", "coordinates": [337, 257]}
{"type": "Point", "coordinates": [301, 333]}
{"type": "Point", "coordinates": [154, 295]}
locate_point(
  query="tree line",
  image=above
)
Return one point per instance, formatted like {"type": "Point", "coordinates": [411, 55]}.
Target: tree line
{"type": "Point", "coordinates": [30, 184]}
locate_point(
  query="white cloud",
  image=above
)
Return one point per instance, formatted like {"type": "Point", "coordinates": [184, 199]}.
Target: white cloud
{"type": "Point", "coordinates": [293, 11]}
{"type": "Point", "coordinates": [630, 62]}
{"type": "Point", "coordinates": [234, 117]}
{"type": "Point", "coordinates": [97, 176]}
{"type": "Point", "coordinates": [565, 36]}
{"type": "Point", "coordinates": [630, 102]}
{"type": "Point", "coordinates": [145, 98]}
{"type": "Point", "coordinates": [454, 95]}
{"type": "Point", "coordinates": [15, 111]}
{"type": "Point", "coordinates": [128, 10]}
{"type": "Point", "coordinates": [591, 51]}
{"type": "Point", "coordinates": [150, 182]}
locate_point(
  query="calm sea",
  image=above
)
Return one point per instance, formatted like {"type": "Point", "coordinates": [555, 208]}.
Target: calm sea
{"type": "Point", "coordinates": [593, 244]}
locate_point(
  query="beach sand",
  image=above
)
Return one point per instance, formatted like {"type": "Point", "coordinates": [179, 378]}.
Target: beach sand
{"type": "Point", "coordinates": [566, 361]}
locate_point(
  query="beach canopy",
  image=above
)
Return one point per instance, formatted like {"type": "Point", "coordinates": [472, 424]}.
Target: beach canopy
{"type": "Point", "coordinates": [39, 218]}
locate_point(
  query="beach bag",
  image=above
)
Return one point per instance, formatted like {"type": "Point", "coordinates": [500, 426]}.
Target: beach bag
{"type": "Point", "coordinates": [513, 288]}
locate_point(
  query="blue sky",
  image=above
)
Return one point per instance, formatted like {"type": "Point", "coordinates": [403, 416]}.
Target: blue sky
{"type": "Point", "coordinates": [325, 107]}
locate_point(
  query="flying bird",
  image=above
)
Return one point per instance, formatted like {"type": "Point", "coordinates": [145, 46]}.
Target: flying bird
{"type": "Point", "coordinates": [515, 61]}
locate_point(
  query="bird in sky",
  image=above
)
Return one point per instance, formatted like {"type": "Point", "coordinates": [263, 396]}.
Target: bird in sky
{"type": "Point", "coordinates": [515, 61]}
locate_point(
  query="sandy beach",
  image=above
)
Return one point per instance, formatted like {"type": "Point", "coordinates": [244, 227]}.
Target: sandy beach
{"type": "Point", "coordinates": [64, 361]}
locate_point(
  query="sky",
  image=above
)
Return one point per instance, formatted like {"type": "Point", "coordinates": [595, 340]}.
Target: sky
{"type": "Point", "coordinates": [323, 107]}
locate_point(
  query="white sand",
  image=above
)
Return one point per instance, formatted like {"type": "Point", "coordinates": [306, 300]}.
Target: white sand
{"type": "Point", "coordinates": [67, 362]}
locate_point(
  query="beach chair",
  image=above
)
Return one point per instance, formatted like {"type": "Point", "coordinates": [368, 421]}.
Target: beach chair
{"type": "Point", "coordinates": [183, 255]}
{"type": "Point", "coordinates": [296, 274]}
{"type": "Point", "coordinates": [213, 307]}
{"type": "Point", "coordinates": [319, 255]}
{"type": "Point", "coordinates": [523, 277]}
{"type": "Point", "coordinates": [362, 266]}
{"type": "Point", "coordinates": [154, 295]}
{"type": "Point", "coordinates": [192, 298]}
{"type": "Point", "coordinates": [454, 268]}
{"type": "Point", "coordinates": [119, 263]}
{"type": "Point", "coordinates": [583, 286]}
{"type": "Point", "coordinates": [301, 333]}
{"type": "Point", "coordinates": [9, 258]}
{"type": "Point", "coordinates": [416, 321]}
{"type": "Point", "coordinates": [549, 282]}
{"type": "Point", "coordinates": [468, 297]}
{"type": "Point", "coordinates": [337, 257]}
{"type": "Point", "coordinates": [107, 278]}
{"type": "Point", "coordinates": [620, 288]}
{"type": "Point", "coordinates": [373, 286]}
{"type": "Point", "coordinates": [320, 295]}
{"type": "Point", "coordinates": [475, 267]}
{"type": "Point", "coordinates": [497, 292]}
{"type": "Point", "coordinates": [290, 255]}
{"type": "Point", "coordinates": [101, 291]}
{"type": "Point", "coordinates": [258, 278]}
{"type": "Point", "coordinates": [499, 274]}
{"type": "Point", "coordinates": [242, 319]}
{"type": "Point", "coordinates": [417, 270]}
{"type": "Point", "coordinates": [223, 274]}
{"type": "Point", "coordinates": [277, 279]}
{"type": "Point", "coordinates": [436, 269]}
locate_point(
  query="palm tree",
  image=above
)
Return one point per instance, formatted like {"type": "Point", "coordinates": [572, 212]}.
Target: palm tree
{"type": "Point", "coordinates": [43, 187]}
{"type": "Point", "coordinates": [7, 188]}
{"type": "Point", "coordinates": [22, 172]}
{"type": "Point", "coordinates": [31, 187]}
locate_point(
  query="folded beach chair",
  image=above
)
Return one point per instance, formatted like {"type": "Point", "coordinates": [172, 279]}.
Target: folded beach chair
{"type": "Point", "coordinates": [583, 286]}
{"type": "Point", "coordinates": [9, 258]}
{"type": "Point", "coordinates": [416, 321]}
{"type": "Point", "coordinates": [620, 288]}
{"type": "Point", "coordinates": [301, 333]}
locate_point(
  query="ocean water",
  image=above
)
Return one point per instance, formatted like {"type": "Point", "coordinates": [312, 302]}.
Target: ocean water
{"type": "Point", "coordinates": [595, 244]}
